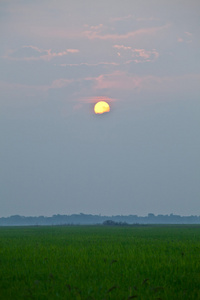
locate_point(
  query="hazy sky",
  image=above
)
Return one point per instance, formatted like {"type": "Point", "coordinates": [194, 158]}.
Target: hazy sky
{"type": "Point", "coordinates": [57, 59]}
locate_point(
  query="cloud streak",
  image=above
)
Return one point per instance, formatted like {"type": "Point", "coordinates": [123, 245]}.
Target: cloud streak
{"type": "Point", "coordinates": [119, 81]}
{"type": "Point", "coordinates": [92, 34]}
{"type": "Point", "coordinates": [95, 99]}
{"type": "Point", "coordinates": [187, 37]}
{"type": "Point", "coordinates": [30, 53]}
{"type": "Point", "coordinates": [114, 86]}
{"type": "Point", "coordinates": [116, 81]}
{"type": "Point", "coordinates": [136, 55]}
{"type": "Point", "coordinates": [90, 64]}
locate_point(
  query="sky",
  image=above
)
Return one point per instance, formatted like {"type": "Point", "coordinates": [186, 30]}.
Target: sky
{"type": "Point", "coordinates": [57, 59]}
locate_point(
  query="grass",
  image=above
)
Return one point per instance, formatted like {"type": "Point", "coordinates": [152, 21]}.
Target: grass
{"type": "Point", "coordinates": [97, 262]}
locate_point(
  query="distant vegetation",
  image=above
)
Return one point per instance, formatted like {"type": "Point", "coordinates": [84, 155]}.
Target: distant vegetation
{"type": "Point", "coordinates": [100, 262]}
{"type": "Point", "coordinates": [88, 219]}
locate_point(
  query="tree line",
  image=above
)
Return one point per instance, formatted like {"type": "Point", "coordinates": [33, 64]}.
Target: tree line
{"type": "Point", "coordinates": [89, 219]}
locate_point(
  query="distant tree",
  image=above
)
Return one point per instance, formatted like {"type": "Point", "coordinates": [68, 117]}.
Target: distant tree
{"type": "Point", "coordinates": [109, 222]}
{"type": "Point", "coordinates": [113, 223]}
{"type": "Point", "coordinates": [150, 215]}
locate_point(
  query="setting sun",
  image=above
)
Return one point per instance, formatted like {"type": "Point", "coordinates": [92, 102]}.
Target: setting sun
{"type": "Point", "coordinates": [101, 107]}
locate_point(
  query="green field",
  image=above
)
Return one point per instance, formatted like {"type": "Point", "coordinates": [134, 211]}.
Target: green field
{"type": "Point", "coordinates": [99, 262]}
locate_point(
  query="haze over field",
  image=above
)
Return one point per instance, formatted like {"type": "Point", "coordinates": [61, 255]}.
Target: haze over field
{"type": "Point", "coordinates": [57, 59]}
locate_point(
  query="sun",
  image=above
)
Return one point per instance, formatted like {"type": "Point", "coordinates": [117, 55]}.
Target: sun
{"type": "Point", "coordinates": [101, 107]}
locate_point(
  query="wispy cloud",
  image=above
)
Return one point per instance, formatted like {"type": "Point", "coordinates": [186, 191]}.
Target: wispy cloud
{"type": "Point", "coordinates": [97, 27]}
{"type": "Point", "coordinates": [180, 40]}
{"type": "Point", "coordinates": [108, 87]}
{"type": "Point", "coordinates": [89, 64]}
{"type": "Point", "coordinates": [122, 47]}
{"type": "Point", "coordinates": [124, 18]}
{"type": "Point", "coordinates": [60, 83]}
{"type": "Point", "coordinates": [116, 81]}
{"type": "Point", "coordinates": [95, 99]}
{"type": "Point", "coordinates": [142, 55]}
{"type": "Point", "coordinates": [92, 34]}
{"type": "Point", "coordinates": [124, 82]}
{"type": "Point", "coordinates": [28, 53]}
{"type": "Point", "coordinates": [136, 55]}
{"type": "Point", "coordinates": [186, 37]}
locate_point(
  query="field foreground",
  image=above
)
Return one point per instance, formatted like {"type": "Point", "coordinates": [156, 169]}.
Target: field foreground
{"type": "Point", "coordinates": [100, 262]}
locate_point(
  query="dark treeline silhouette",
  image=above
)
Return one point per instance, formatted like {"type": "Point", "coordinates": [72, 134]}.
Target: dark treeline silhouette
{"type": "Point", "coordinates": [88, 219]}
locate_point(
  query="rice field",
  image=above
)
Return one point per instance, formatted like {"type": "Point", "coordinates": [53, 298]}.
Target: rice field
{"type": "Point", "coordinates": [100, 262]}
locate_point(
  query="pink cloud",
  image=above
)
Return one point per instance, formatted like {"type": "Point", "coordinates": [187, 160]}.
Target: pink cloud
{"type": "Point", "coordinates": [117, 80]}
{"type": "Point", "coordinates": [60, 83]}
{"type": "Point", "coordinates": [139, 55]}
{"type": "Point", "coordinates": [97, 27]}
{"type": "Point", "coordinates": [143, 55]}
{"type": "Point", "coordinates": [188, 33]}
{"type": "Point", "coordinates": [122, 47]}
{"type": "Point", "coordinates": [28, 53]}
{"type": "Point", "coordinates": [187, 37]}
{"type": "Point", "coordinates": [180, 40]}
{"type": "Point", "coordinates": [72, 50]}
{"type": "Point", "coordinates": [90, 34]}
{"type": "Point", "coordinates": [120, 85]}
{"type": "Point", "coordinates": [122, 82]}
{"type": "Point", "coordinates": [95, 99]}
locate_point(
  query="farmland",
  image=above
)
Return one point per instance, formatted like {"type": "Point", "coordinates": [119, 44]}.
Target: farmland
{"type": "Point", "coordinates": [100, 262]}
